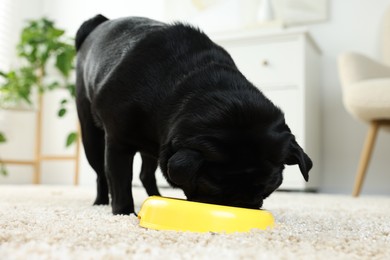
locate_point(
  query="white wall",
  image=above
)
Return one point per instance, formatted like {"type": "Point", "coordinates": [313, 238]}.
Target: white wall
{"type": "Point", "coordinates": [60, 11]}
{"type": "Point", "coordinates": [352, 25]}
{"type": "Point", "coordinates": [20, 126]}
{"type": "Point", "coordinates": [79, 11]}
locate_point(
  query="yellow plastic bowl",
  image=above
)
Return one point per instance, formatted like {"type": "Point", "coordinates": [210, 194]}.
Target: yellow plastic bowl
{"type": "Point", "coordinates": [181, 215]}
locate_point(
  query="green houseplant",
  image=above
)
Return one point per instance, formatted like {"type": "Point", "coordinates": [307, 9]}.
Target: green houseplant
{"type": "Point", "coordinates": [46, 63]}
{"type": "Point", "coordinates": [2, 168]}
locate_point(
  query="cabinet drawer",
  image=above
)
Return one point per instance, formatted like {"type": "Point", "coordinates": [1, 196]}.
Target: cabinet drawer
{"type": "Point", "coordinates": [269, 64]}
{"type": "Point", "coordinates": [292, 179]}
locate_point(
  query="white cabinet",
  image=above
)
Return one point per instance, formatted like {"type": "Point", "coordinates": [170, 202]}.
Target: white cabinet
{"type": "Point", "coordinates": [285, 66]}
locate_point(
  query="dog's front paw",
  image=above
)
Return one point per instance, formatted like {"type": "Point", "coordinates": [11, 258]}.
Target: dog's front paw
{"type": "Point", "coordinates": [123, 210]}
{"type": "Point", "coordinates": [101, 200]}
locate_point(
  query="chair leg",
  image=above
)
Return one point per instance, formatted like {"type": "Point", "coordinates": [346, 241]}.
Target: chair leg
{"type": "Point", "coordinates": [365, 157]}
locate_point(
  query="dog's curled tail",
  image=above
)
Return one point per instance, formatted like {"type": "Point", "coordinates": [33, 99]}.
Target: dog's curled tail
{"type": "Point", "coordinates": [87, 27]}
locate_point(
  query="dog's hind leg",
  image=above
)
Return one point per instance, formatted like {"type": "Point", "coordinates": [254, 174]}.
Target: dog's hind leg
{"type": "Point", "coordinates": [148, 174]}
{"type": "Point", "coordinates": [119, 170]}
{"type": "Point", "coordinates": [93, 141]}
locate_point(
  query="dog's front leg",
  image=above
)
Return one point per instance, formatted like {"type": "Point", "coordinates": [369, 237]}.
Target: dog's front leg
{"type": "Point", "coordinates": [118, 168]}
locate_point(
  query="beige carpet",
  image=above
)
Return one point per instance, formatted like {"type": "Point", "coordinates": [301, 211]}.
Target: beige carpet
{"type": "Point", "coordinates": [49, 222]}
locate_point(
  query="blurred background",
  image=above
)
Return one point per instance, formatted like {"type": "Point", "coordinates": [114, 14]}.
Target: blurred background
{"type": "Point", "coordinates": [317, 31]}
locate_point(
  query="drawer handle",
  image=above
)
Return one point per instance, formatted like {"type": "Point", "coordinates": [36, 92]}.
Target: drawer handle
{"type": "Point", "coordinates": [265, 63]}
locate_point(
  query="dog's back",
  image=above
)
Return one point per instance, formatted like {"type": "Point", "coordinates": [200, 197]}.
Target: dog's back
{"type": "Point", "coordinates": [102, 44]}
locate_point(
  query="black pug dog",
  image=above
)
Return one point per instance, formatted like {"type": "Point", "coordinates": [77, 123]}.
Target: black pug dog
{"type": "Point", "coordinates": [170, 93]}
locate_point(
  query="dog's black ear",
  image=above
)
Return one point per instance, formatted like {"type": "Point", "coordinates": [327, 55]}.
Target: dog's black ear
{"type": "Point", "coordinates": [296, 155]}
{"type": "Point", "coordinates": [183, 165]}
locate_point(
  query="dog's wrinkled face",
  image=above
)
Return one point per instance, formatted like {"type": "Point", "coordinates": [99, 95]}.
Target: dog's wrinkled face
{"type": "Point", "coordinates": [232, 153]}
{"type": "Point", "coordinates": [235, 169]}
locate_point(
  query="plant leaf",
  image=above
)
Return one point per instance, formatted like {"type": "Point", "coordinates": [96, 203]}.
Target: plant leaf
{"type": "Point", "coordinates": [65, 58]}
{"type": "Point", "coordinates": [72, 137]}
{"type": "Point", "coordinates": [3, 170]}
{"type": "Point", "coordinates": [72, 90]}
{"type": "Point", "coordinates": [62, 112]}
{"type": "Point", "coordinates": [17, 86]}
{"type": "Point", "coordinates": [53, 85]}
{"type": "Point", "coordinates": [2, 138]}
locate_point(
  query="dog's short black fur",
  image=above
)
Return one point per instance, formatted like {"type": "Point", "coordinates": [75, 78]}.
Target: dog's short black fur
{"type": "Point", "coordinates": [170, 93]}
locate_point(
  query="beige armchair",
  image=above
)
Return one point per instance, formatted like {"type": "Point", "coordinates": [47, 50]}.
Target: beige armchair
{"type": "Point", "coordinates": [366, 95]}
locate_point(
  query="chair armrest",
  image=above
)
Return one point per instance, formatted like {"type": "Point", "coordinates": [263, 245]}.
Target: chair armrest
{"type": "Point", "coordinates": [354, 67]}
